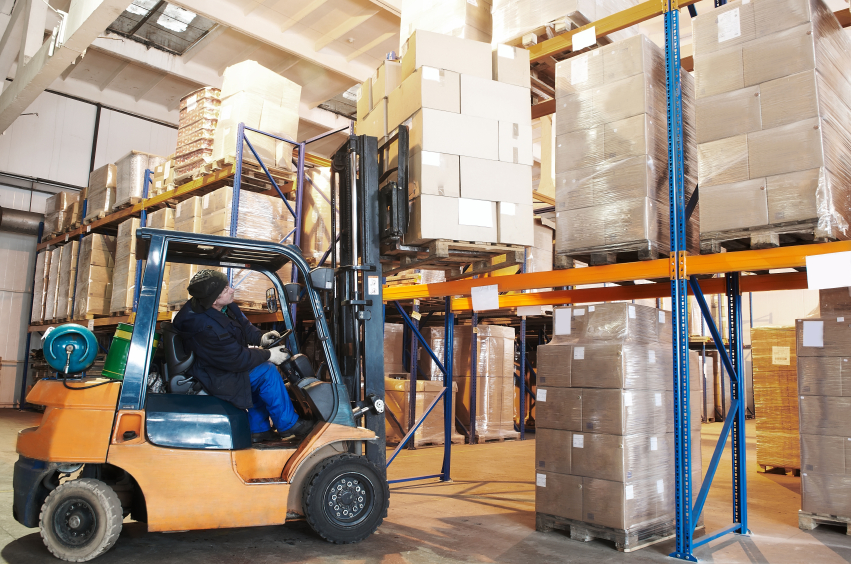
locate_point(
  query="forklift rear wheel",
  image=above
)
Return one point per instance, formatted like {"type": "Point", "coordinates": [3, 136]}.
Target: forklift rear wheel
{"type": "Point", "coordinates": [80, 520]}
{"type": "Point", "coordinates": [345, 499]}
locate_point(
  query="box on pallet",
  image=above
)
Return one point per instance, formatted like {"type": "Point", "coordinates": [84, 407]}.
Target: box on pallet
{"type": "Point", "coordinates": [67, 280]}
{"type": "Point", "coordinates": [53, 284]}
{"type": "Point", "coordinates": [393, 348]}
{"type": "Point", "coordinates": [397, 396]}
{"type": "Point", "coordinates": [315, 238]}
{"type": "Point", "coordinates": [94, 276]}
{"type": "Point", "coordinates": [130, 175]}
{"type": "Point", "coordinates": [100, 194]}
{"type": "Point", "coordinates": [124, 274]}
{"type": "Point", "coordinates": [458, 18]}
{"type": "Point", "coordinates": [42, 272]}
{"type": "Point", "coordinates": [163, 219]}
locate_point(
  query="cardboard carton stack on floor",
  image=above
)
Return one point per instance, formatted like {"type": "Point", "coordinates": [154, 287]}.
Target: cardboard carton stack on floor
{"type": "Point", "coordinates": [130, 176]}
{"type": "Point", "coordinates": [67, 279]}
{"type": "Point", "coordinates": [605, 441]}
{"type": "Point", "coordinates": [494, 376]}
{"type": "Point", "coordinates": [612, 151]}
{"type": "Point", "coordinates": [100, 194]}
{"type": "Point", "coordinates": [432, 430]}
{"type": "Point", "coordinates": [470, 175]}
{"type": "Point", "coordinates": [42, 272]}
{"type": "Point", "coordinates": [824, 387]}
{"type": "Point", "coordinates": [773, 119]}
{"type": "Point", "coordinates": [261, 99]}
{"type": "Point", "coordinates": [775, 385]}
{"type": "Point", "coordinates": [199, 116]}
{"type": "Point", "coordinates": [94, 276]}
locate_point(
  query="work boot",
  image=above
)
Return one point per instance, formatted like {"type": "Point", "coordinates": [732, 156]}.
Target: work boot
{"type": "Point", "coordinates": [301, 428]}
{"type": "Point", "coordinates": [269, 435]}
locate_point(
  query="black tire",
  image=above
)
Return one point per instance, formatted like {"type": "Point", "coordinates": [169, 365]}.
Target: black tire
{"type": "Point", "coordinates": [80, 520]}
{"type": "Point", "coordinates": [362, 504]}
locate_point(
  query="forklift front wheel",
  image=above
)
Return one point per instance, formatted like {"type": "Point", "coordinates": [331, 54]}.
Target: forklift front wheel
{"type": "Point", "coordinates": [345, 499]}
{"type": "Point", "coordinates": [80, 520]}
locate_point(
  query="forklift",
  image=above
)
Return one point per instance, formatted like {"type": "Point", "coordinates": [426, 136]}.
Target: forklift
{"type": "Point", "coordinates": [178, 459]}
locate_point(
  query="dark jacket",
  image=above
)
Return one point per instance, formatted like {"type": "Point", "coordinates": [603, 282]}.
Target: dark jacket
{"type": "Point", "coordinates": [220, 343]}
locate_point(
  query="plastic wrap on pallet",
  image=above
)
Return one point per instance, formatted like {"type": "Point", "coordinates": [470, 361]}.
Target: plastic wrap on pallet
{"type": "Point", "coordinates": [826, 494]}
{"type": "Point", "coordinates": [611, 321]}
{"type": "Point", "coordinates": [316, 215]}
{"type": "Point", "coordinates": [59, 201]}
{"type": "Point", "coordinates": [124, 276]}
{"type": "Point", "coordinates": [94, 276]}
{"type": "Point", "coordinates": [397, 396]}
{"type": "Point", "coordinates": [52, 284]}
{"type": "Point", "coordinates": [495, 356]}
{"type": "Point", "coordinates": [67, 276]}
{"type": "Point", "coordinates": [99, 201]}
{"type": "Point", "coordinates": [494, 405]}
{"type": "Point", "coordinates": [393, 345]}
{"type": "Point", "coordinates": [71, 216]}
{"type": "Point", "coordinates": [53, 222]}
{"type": "Point", "coordinates": [823, 337]}
{"type": "Point", "coordinates": [469, 19]}
{"type": "Point", "coordinates": [130, 170]}
{"type": "Point", "coordinates": [42, 272]}
{"type": "Point", "coordinates": [774, 137]}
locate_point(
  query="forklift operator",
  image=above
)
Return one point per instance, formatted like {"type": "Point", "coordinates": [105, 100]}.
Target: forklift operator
{"type": "Point", "coordinates": [219, 334]}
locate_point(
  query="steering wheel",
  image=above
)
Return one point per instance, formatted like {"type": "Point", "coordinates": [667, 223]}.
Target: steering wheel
{"type": "Point", "coordinates": [280, 340]}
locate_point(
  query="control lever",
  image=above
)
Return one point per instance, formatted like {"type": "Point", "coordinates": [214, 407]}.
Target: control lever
{"type": "Point", "coordinates": [280, 340]}
{"type": "Point", "coordinates": [372, 403]}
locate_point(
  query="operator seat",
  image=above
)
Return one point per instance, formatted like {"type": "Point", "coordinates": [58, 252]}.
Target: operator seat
{"type": "Point", "coordinates": [177, 362]}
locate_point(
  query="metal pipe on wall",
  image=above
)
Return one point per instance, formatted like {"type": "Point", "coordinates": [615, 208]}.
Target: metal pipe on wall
{"type": "Point", "coordinates": [18, 221]}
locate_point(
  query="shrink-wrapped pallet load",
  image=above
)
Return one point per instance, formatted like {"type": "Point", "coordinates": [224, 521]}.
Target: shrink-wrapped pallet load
{"type": "Point", "coordinates": [393, 344]}
{"type": "Point", "coordinates": [458, 18]}
{"type": "Point", "coordinates": [199, 116]}
{"type": "Point", "coordinates": [100, 194]}
{"type": "Point", "coordinates": [605, 434]}
{"type": "Point", "coordinates": [163, 219]}
{"type": "Point", "coordinates": [94, 276]}
{"type": "Point", "coordinates": [124, 275]}
{"type": "Point", "coordinates": [612, 152]}
{"type": "Point", "coordinates": [130, 176]}
{"type": "Point", "coordinates": [56, 212]}
{"type": "Point", "coordinates": [67, 280]}
{"type": "Point", "coordinates": [316, 235]}
{"type": "Point", "coordinates": [42, 273]}
{"type": "Point", "coordinates": [775, 385]}
{"type": "Point", "coordinates": [53, 284]}
{"type": "Point", "coordinates": [187, 218]}
{"type": "Point", "coordinates": [773, 122]}
{"type": "Point", "coordinates": [432, 431]}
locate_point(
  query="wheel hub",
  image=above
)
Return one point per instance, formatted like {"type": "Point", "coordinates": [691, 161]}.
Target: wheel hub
{"type": "Point", "coordinates": [75, 522]}
{"type": "Point", "coordinates": [348, 500]}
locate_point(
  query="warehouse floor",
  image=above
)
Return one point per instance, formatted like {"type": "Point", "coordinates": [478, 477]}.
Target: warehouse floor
{"type": "Point", "coordinates": [485, 515]}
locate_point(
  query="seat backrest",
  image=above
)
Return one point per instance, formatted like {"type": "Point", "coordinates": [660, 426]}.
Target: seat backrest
{"type": "Point", "coordinates": [175, 355]}
{"type": "Point", "coordinates": [195, 422]}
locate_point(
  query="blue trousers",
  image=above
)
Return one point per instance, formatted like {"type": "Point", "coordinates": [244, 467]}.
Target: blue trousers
{"type": "Point", "coordinates": [270, 400]}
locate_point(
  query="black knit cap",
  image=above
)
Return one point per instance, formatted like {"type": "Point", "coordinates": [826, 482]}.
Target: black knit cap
{"type": "Point", "coordinates": [206, 286]}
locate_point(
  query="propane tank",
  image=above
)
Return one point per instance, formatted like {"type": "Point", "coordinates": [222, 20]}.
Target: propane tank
{"type": "Point", "coordinates": [70, 348]}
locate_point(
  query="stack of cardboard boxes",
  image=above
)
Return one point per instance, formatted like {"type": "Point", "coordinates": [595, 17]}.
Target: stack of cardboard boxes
{"type": "Point", "coordinates": [775, 386]}
{"type": "Point", "coordinates": [94, 276]}
{"type": "Point", "coordinates": [199, 116]}
{"type": "Point", "coordinates": [52, 283]}
{"type": "Point", "coordinates": [468, 110]}
{"type": "Point", "coordinates": [773, 120]}
{"type": "Point", "coordinates": [459, 18]}
{"type": "Point", "coordinates": [605, 441]}
{"type": "Point", "coordinates": [612, 151]}
{"type": "Point", "coordinates": [67, 280]}
{"type": "Point", "coordinates": [100, 194]}
{"type": "Point", "coordinates": [316, 235]}
{"type": "Point", "coordinates": [124, 273]}
{"type": "Point", "coordinates": [42, 273]}
{"type": "Point", "coordinates": [57, 209]}
{"type": "Point", "coordinates": [130, 176]}
{"type": "Point", "coordinates": [824, 387]}
{"type": "Point", "coordinates": [432, 431]}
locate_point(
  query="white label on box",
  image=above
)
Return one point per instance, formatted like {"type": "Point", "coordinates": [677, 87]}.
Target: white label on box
{"type": "Point", "coordinates": [832, 270]}
{"type": "Point", "coordinates": [430, 158]}
{"type": "Point", "coordinates": [561, 321]}
{"type": "Point", "coordinates": [485, 297]}
{"type": "Point", "coordinates": [631, 312]}
{"type": "Point", "coordinates": [585, 38]}
{"type": "Point", "coordinates": [507, 208]}
{"type": "Point", "coordinates": [658, 400]}
{"type": "Point", "coordinates": [579, 69]}
{"type": "Point", "coordinates": [505, 51]}
{"type": "Point", "coordinates": [523, 311]}
{"type": "Point", "coordinates": [88, 228]}
{"type": "Point", "coordinates": [66, 238]}
{"type": "Point", "coordinates": [654, 443]}
{"type": "Point", "coordinates": [205, 201]}
{"type": "Point", "coordinates": [627, 399]}
{"type": "Point", "coordinates": [541, 395]}
{"type": "Point", "coordinates": [372, 285]}
{"type": "Point", "coordinates": [840, 320]}
{"type": "Point", "coordinates": [191, 99]}
{"type": "Point", "coordinates": [190, 107]}
{"type": "Point", "coordinates": [728, 26]}
{"type": "Point", "coordinates": [579, 353]}
{"type": "Point", "coordinates": [541, 480]}
{"type": "Point", "coordinates": [651, 357]}
{"type": "Point", "coordinates": [578, 441]}
{"type": "Point", "coordinates": [660, 486]}
{"type": "Point", "coordinates": [590, 309]}
{"type": "Point", "coordinates": [814, 334]}
{"type": "Point", "coordinates": [431, 73]}
{"type": "Point", "coordinates": [225, 112]}
{"type": "Point", "coordinates": [781, 355]}
{"type": "Point", "coordinates": [91, 325]}
{"type": "Point", "coordinates": [661, 317]}
{"type": "Point", "coordinates": [628, 492]}
{"type": "Point", "coordinates": [474, 212]}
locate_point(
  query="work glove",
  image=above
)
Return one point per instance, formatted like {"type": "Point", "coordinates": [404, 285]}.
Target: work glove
{"type": "Point", "coordinates": [278, 355]}
{"type": "Point", "coordinates": [269, 338]}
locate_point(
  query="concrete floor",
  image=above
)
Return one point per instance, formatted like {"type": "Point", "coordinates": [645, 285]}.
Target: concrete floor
{"type": "Point", "coordinates": [485, 515]}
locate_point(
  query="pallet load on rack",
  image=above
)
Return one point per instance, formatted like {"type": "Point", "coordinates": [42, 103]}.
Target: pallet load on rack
{"type": "Point", "coordinates": [163, 219]}
{"type": "Point", "coordinates": [771, 78]}
{"type": "Point", "coordinates": [775, 387]}
{"type": "Point", "coordinates": [199, 116]}
{"type": "Point", "coordinates": [55, 210]}
{"type": "Point", "coordinates": [316, 236]}
{"type": "Point", "coordinates": [458, 18]}
{"type": "Point", "coordinates": [612, 154]}
{"type": "Point", "coordinates": [187, 218]}
{"type": "Point", "coordinates": [605, 435]}
{"type": "Point", "coordinates": [53, 283]}
{"type": "Point", "coordinates": [494, 376]}
{"type": "Point", "coordinates": [67, 280]}
{"type": "Point", "coordinates": [100, 194]}
{"type": "Point", "coordinates": [163, 179]}
{"type": "Point", "coordinates": [263, 100]}
{"type": "Point", "coordinates": [124, 273]}
{"type": "Point", "coordinates": [513, 19]}
{"type": "Point", "coordinates": [824, 388]}
{"type": "Point", "coordinates": [73, 213]}
{"type": "Point", "coordinates": [130, 177]}
{"type": "Point", "coordinates": [42, 273]}
{"type": "Point", "coordinates": [94, 276]}
{"type": "Point", "coordinates": [470, 162]}
{"type": "Point", "coordinates": [432, 430]}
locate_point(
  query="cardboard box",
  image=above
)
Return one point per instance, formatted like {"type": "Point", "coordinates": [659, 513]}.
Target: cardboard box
{"type": "Point", "coordinates": [456, 134]}
{"type": "Point", "coordinates": [464, 56]}
{"type": "Point", "coordinates": [629, 323]}
{"type": "Point", "coordinates": [558, 494]}
{"type": "Point", "coordinates": [436, 174]}
{"type": "Point", "coordinates": [628, 366]}
{"type": "Point", "coordinates": [243, 107]}
{"type": "Point", "coordinates": [458, 18]}
{"type": "Point", "coordinates": [439, 217]}
{"type": "Point", "coordinates": [511, 65]}
{"type": "Point", "coordinates": [749, 200]}
{"type": "Point", "coordinates": [490, 99]}
{"type": "Point", "coordinates": [393, 333]}
{"type": "Point", "coordinates": [558, 408]}
{"type": "Point", "coordinates": [516, 224]}
{"type": "Point", "coordinates": [582, 72]}
{"type": "Point", "coordinates": [778, 55]}
{"type": "Point", "coordinates": [553, 365]}
{"type": "Point", "coordinates": [427, 87]}
{"type": "Point", "coordinates": [515, 143]}
{"type": "Point", "coordinates": [789, 99]}
{"type": "Point", "coordinates": [826, 494]}
{"type": "Point", "coordinates": [364, 102]}
{"type": "Point", "coordinates": [794, 196]}
{"type": "Point", "coordinates": [253, 78]}
{"type": "Point", "coordinates": [387, 77]}
{"type": "Point", "coordinates": [824, 376]}
{"type": "Point", "coordinates": [636, 177]}
{"type": "Point", "coordinates": [494, 405]}
{"type": "Point", "coordinates": [825, 415]}
{"type": "Point", "coordinates": [827, 336]}
{"type": "Point", "coordinates": [629, 57]}
{"type": "Point", "coordinates": [734, 24]}
{"type": "Point", "coordinates": [600, 227]}
{"type": "Point", "coordinates": [729, 114]}
{"type": "Point", "coordinates": [103, 177]}
{"type": "Point", "coordinates": [397, 394]}
{"type": "Point", "coordinates": [826, 454]}
{"type": "Point", "coordinates": [835, 301]}
{"type": "Point", "coordinates": [496, 180]}
{"type": "Point", "coordinates": [627, 412]}
{"type": "Point", "coordinates": [719, 72]}
{"type": "Point", "coordinates": [788, 148]}
{"type": "Point", "coordinates": [724, 161]}
{"type": "Point", "coordinates": [619, 458]}
{"type": "Point", "coordinates": [375, 122]}
{"type": "Point", "coordinates": [623, 506]}
{"type": "Point", "coordinates": [552, 450]}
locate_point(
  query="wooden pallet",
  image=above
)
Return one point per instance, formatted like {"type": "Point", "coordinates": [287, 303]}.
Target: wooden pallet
{"type": "Point", "coordinates": [456, 440]}
{"type": "Point", "coordinates": [250, 306]}
{"type": "Point", "coordinates": [100, 215]}
{"type": "Point", "coordinates": [498, 437]}
{"type": "Point", "coordinates": [625, 541]}
{"type": "Point", "coordinates": [130, 202]}
{"type": "Point", "coordinates": [769, 469]}
{"type": "Point", "coordinates": [809, 521]}
{"type": "Point", "coordinates": [253, 178]}
{"type": "Point", "coordinates": [780, 235]}
{"type": "Point", "coordinates": [451, 256]}
{"type": "Point", "coordinates": [116, 313]}
{"type": "Point", "coordinates": [612, 254]}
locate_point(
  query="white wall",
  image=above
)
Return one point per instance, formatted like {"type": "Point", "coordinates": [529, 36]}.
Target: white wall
{"type": "Point", "coordinates": [120, 133]}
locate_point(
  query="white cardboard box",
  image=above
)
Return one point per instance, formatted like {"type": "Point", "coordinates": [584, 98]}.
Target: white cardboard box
{"type": "Point", "coordinates": [463, 56]}
{"type": "Point", "coordinates": [457, 134]}
{"type": "Point", "coordinates": [516, 224]}
{"type": "Point", "coordinates": [435, 174]}
{"type": "Point", "coordinates": [375, 122]}
{"type": "Point", "coordinates": [511, 66]}
{"type": "Point", "coordinates": [496, 180]}
{"type": "Point", "coordinates": [440, 217]}
{"type": "Point", "coordinates": [427, 87]}
{"type": "Point", "coordinates": [491, 99]}
{"type": "Point", "coordinates": [387, 77]}
{"type": "Point", "coordinates": [515, 143]}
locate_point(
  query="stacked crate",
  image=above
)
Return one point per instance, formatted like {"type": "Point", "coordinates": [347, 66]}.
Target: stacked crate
{"type": "Point", "coordinates": [199, 116]}
{"type": "Point", "coordinates": [67, 280]}
{"type": "Point", "coordinates": [94, 276]}
{"type": "Point", "coordinates": [605, 441]}
{"type": "Point", "coordinates": [470, 162]}
{"type": "Point", "coordinates": [100, 194]}
{"type": "Point", "coordinates": [775, 385]}
{"type": "Point", "coordinates": [612, 152]}
{"type": "Point", "coordinates": [130, 176]}
{"type": "Point", "coordinates": [773, 120]}
{"type": "Point", "coordinates": [824, 387]}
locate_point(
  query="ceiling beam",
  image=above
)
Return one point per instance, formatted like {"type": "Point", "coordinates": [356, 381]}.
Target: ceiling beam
{"type": "Point", "coordinates": [113, 75]}
{"type": "Point", "coordinates": [342, 29]}
{"type": "Point", "coordinates": [10, 43]}
{"type": "Point", "coordinates": [71, 68]}
{"type": "Point", "coordinates": [285, 66]}
{"type": "Point", "coordinates": [35, 18]}
{"type": "Point", "coordinates": [203, 43]}
{"type": "Point", "coordinates": [241, 56]}
{"type": "Point", "coordinates": [311, 7]}
{"type": "Point", "coordinates": [392, 6]}
{"type": "Point", "coordinates": [374, 43]}
{"type": "Point", "coordinates": [154, 84]}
